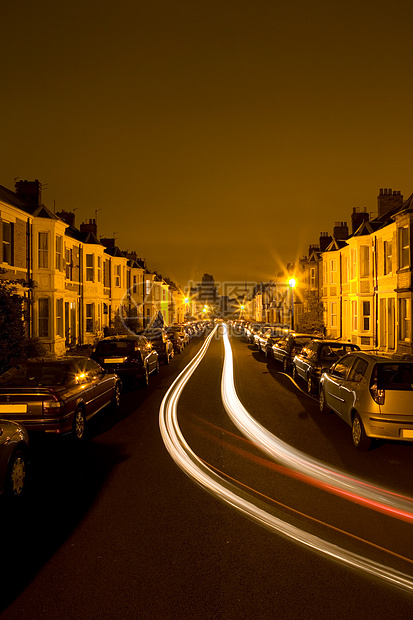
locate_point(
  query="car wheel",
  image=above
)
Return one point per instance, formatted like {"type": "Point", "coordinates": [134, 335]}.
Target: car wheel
{"type": "Point", "coordinates": [115, 402]}
{"type": "Point", "coordinates": [294, 372]}
{"type": "Point", "coordinates": [16, 477]}
{"type": "Point", "coordinates": [79, 424]}
{"type": "Point", "coordinates": [360, 439]}
{"type": "Point", "coordinates": [145, 377]}
{"type": "Point", "coordinates": [285, 364]}
{"type": "Point", "coordinates": [322, 402]}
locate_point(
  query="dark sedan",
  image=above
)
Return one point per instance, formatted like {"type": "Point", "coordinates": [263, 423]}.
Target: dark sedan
{"type": "Point", "coordinates": [287, 348]}
{"type": "Point", "coordinates": [178, 337]}
{"type": "Point", "coordinates": [57, 395]}
{"type": "Point", "coordinates": [316, 357]}
{"type": "Point", "coordinates": [161, 343]}
{"type": "Point", "coordinates": [130, 357]}
{"type": "Point", "coordinates": [14, 459]}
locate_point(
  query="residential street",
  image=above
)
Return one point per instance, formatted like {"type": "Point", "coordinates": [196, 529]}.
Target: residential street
{"type": "Point", "coordinates": [113, 528]}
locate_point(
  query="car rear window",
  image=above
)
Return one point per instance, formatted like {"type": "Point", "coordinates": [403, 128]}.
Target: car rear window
{"type": "Point", "coordinates": [36, 374]}
{"type": "Point", "coordinates": [395, 376]}
{"type": "Point", "coordinates": [116, 347]}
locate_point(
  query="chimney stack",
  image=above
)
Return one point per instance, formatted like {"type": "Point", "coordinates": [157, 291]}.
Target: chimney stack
{"type": "Point", "coordinates": [388, 200]}
{"type": "Point", "coordinates": [89, 226]}
{"type": "Point", "coordinates": [67, 216]}
{"type": "Point", "coordinates": [358, 217]}
{"type": "Point", "coordinates": [325, 240]}
{"type": "Point", "coordinates": [30, 191]}
{"type": "Point", "coordinates": [340, 230]}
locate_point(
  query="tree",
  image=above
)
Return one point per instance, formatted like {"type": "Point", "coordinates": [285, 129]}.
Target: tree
{"type": "Point", "coordinates": [12, 333]}
{"type": "Point", "coordinates": [311, 321]}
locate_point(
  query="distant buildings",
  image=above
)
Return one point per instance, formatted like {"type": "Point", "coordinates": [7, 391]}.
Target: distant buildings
{"type": "Point", "coordinates": [74, 285]}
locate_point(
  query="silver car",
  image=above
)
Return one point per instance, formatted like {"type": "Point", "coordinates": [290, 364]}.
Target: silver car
{"type": "Point", "coordinates": [373, 393]}
{"type": "Point", "coordinates": [14, 458]}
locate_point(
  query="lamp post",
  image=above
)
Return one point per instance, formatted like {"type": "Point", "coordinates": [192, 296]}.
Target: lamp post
{"type": "Point", "coordinates": [292, 283]}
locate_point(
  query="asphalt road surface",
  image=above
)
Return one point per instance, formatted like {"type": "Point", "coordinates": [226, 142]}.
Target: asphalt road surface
{"type": "Point", "coordinates": [115, 529]}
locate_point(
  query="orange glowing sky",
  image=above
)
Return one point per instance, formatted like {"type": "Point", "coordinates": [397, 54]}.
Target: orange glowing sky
{"type": "Point", "coordinates": [217, 137]}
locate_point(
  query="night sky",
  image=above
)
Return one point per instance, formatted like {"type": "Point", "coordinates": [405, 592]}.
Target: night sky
{"type": "Point", "coordinates": [218, 136]}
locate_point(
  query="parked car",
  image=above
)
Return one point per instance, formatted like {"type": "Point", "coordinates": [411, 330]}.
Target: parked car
{"type": "Point", "coordinates": [177, 336]}
{"type": "Point", "coordinates": [317, 356]}
{"type": "Point", "coordinates": [130, 357]}
{"type": "Point", "coordinates": [57, 395]}
{"type": "Point", "coordinates": [251, 330]}
{"type": "Point", "coordinates": [259, 333]}
{"type": "Point", "coordinates": [287, 348]}
{"type": "Point", "coordinates": [373, 394]}
{"type": "Point", "coordinates": [267, 339]}
{"type": "Point", "coordinates": [161, 343]}
{"type": "Point", "coordinates": [14, 459]}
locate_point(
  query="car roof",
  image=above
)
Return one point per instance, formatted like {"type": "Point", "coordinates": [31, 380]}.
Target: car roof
{"type": "Point", "coordinates": [121, 337]}
{"type": "Point", "coordinates": [382, 357]}
{"type": "Point", "coordinates": [338, 342]}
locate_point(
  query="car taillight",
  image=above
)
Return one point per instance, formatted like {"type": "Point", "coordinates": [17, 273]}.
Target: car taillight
{"type": "Point", "coordinates": [51, 406]}
{"type": "Point", "coordinates": [377, 394]}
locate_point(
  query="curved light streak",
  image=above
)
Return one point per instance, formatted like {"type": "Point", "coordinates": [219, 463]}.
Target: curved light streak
{"type": "Point", "coordinates": [354, 489]}
{"type": "Point", "coordinates": [192, 465]}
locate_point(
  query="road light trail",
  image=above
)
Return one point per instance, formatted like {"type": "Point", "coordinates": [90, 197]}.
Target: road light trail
{"type": "Point", "coordinates": [194, 467]}
{"type": "Point", "coordinates": [354, 489]}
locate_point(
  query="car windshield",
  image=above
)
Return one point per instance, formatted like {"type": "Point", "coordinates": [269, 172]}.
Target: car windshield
{"type": "Point", "coordinates": [300, 341]}
{"type": "Point", "coordinates": [37, 373]}
{"type": "Point", "coordinates": [333, 351]}
{"type": "Point", "coordinates": [116, 347]}
{"type": "Point", "coordinates": [395, 376]}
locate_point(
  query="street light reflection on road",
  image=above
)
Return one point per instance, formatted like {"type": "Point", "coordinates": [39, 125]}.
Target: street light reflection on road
{"type": "Point", "coordinates": [194, 467]}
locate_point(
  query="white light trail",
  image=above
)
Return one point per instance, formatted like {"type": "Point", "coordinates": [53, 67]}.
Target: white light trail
{"type": "Point", "coordinates": [192, 465]}
{"type": "Point", "coordinates": [357, 489]}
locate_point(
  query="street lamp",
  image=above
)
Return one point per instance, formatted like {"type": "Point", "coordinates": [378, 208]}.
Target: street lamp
{"type": "Point", "coordinates": [292, 283]}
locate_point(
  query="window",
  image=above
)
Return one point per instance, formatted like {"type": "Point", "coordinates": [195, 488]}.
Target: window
{"type": "Point", "coordinates": [59, 246]}
{"type": "Point", "coordinates": [43, 250]}
{"type": "Point", "coordinates": [90, 317]}
{"type": "Point", "coordinates": [69, 264]}
{"type": "Point", "coordinates": [59, 317]}
{"type": "Point", "coordinates": [8, 243]}
{"type": "Point", "coordinates": [358, 372]}
{"type": "Point", "coordinates": [90, 268]}
{"type": "Point", "coordinates": [354, 314]}
{"type": "Point", "coordinates": [99, 319]}
{"type": "Point", "coordinates": [340, 369]}
{"type": "Point", "coordinates": [345, 270]}
{"type": "Point", "coordinates": [387, 246]}
{"type": "Point", "coordinates": [353, 263]}
{"type": "Point", "coordinates": [404, 319]}
{"type": "Point", "coordinates": [366, 316]}
{"type": "Point", "coordinates": [312, 277]}
{"type": "Point", "coordinates": [403, 247]}
{"type": "Point", "coordinates": [333, 271]}
{"type": "Point", "coordinates": [99, 269]}
{"type": "Point", "coordinates": [44, 313]}
{"type": "Point", "coordinates": [364, 261]}
{"type": "Point", "coordinates": [333, 314]}
{"type": "Point", "coordinates": [117, 275]}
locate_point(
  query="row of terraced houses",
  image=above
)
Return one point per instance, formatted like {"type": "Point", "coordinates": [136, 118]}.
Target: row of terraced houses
{"type": "Point", "coordinates": [73, 284]}
{"type": "Point", "coordinates": [362, 278]}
